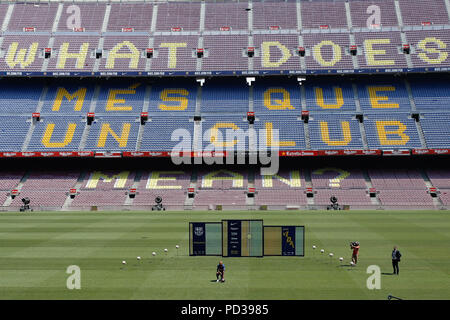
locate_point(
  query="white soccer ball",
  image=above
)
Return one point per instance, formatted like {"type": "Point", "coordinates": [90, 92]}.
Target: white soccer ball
{"type": "Point", "coordinates": [139, 258]}
{"type": "Point", "coordinates": [154, 253]}
{"type": "Point", "coordinates": [322, 251]}
{"type": "Point", "coordinates": [351, 263]}
{"type": "Point", "coordinates": [124, 262]}
{"type": "Point", "coordinates": [331, 254]}
{"type": "Point", "coordinates": [341, 259]}
{"type": "Point", "coordinates": [177, 246]}
{"type": "Point", "coordinates": [314, 247]}
{"type": "Point", "coordinates": [165, 250]}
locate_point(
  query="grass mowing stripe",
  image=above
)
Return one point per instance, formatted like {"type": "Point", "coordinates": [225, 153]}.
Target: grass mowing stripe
{"type": "Point", "coordinates": [36, 248]}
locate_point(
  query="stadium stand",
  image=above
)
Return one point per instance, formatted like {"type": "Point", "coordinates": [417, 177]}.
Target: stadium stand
{"type": "Point", "coordinates": [445, 196]}
{"type": "Point", "coordinates": [231, 15]}
{"type": "Point", "coordinates": [338, 178]}
{"type": "Point", "coordinates": [436, 129]}
{"type": "Point", "coordinates": [431, 94]}
{"type": "Point", "coordinates": [178, 15]}
{"type": "Point", "coordinates": [334, 131]}
{"type": "Point", "coordinates": [280, 97]}
{"type": "Point", "coordinates": [225, 52]}
{"type": "Point", "coordinates": [230, 184]}
{"type": "Point", "coordinates": [25, 103]}
{"type": "Point", "coordinates": [137, 17]}
{"type": "Point", "coordinates": [388, 17]}
{"type": "Point", "coordinates": [33, 15]}
{"type": "Point", "coordinates": [157, 133]}
{"type": "Point", "coordinates": [272, 14]}
{"type": "Point", "coordinates": [439, 178]}
{"type": "Point", "coordinates": [353, 198]}
{"type": "Point", "coordinates": [173, 97]}
{"type": "Point", "coordinates": [286, 188]}
{"type": "Point", "coordinates": [418, 11]}
{"type": "Point", "coordinates": [150, 79]}
{"type": "Point", "coordinates": [389, 179]}
{"type": "Point", "coordinates": [395, 188]}
{"type": "Point", "coordinates": [232, 100]}
{"type": "Point", "coordinates": [275, 30]}
{"type": "Point", "coordinates": [13, 130]}
{"type": "Point", "coordinates": [91, 16]}
{"type": "Point", "coordinates": [57, 133]}
{"type": "Point", "coordinates": [322, 13]}
{"type": "Point", "coordinates": [381, 112]}
{"type": "Point", "coordinates": [9, 180]}
{"type": "Point", "coordinates": [170, 185]}
{"type": "Point", "coordinates": [67, 53]}
{"type": "Point", "coordinates": [406, 198]}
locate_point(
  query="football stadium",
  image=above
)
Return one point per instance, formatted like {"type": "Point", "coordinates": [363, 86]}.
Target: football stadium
{"type": "Point", "coordinates": [303, 143]}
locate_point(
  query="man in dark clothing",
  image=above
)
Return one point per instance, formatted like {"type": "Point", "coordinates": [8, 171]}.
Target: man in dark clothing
{"type": "Point", "coordinates": [220, 273]}
{"type": "Point", "coordinates": [396, 255]}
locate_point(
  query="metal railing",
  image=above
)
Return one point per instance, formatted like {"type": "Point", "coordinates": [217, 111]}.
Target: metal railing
{"type": "Point", "coordinates": [216, 207]}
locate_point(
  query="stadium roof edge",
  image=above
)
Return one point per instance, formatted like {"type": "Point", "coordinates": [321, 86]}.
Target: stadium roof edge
{"type": "Point", "coordinates": [151, 1]}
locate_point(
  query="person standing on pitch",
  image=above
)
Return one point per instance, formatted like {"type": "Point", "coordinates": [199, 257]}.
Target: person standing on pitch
{"type": "Point", "coordinates": [220, 272]}
{"type": "Point", "coordinates": [355, 247]}
{"type": "Point", "coordinates": [396, 255]}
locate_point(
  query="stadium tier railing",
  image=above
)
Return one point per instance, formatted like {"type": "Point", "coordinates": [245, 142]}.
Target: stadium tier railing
{"type": "Point", "coordinates": [228, 208]}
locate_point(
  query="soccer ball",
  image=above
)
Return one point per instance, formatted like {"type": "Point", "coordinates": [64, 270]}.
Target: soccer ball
{"type": "Point", "coordinates": [341, 259]}
{"type": "Point", "coordinates": [314, 247]}
{"type": "Point", "coordinates": [177, 246]}
{"type": "Point", "coordinates": [165, 250]}
{"type": "Point", "coordinates": [154, 253]}
{"type": "Point", "coordinates": [351, 263]}
{"type": "Point", "coordinates": [124, 262]}
{"type": "Point", "coordinates": [139, 258]}
{"type": "Point", "coordinates": [331, 254]}
{"type": "Point", "coordinates": [322, 251]}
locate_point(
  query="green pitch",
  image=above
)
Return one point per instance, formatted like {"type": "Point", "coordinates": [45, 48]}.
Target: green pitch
{"type": "Point", "coordinates": [36, 249]}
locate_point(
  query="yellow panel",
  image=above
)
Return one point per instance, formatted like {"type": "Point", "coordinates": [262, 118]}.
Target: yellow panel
{"type": "Point", "coordinates": [191, 242]}
{"type": "Point", "coordinates": [225, 238]}
{"type": "Point", "coordinates": [272, 241]}
{"type": "Point", "coordinates": [245, 228]}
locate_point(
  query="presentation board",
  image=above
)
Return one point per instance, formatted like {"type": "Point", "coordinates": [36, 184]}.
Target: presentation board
{"type": "Point", "coordinates": [242, 238]}
{"type": "Point", "coordinates": [205, 238]}
{"type": "Point", "coordinates": [284, 240]}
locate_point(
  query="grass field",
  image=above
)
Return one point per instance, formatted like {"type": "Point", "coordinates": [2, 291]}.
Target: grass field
{"type": "Point", "coordinates": [36, 249]}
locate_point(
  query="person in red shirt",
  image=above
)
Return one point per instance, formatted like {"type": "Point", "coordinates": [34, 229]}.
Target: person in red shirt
{"type": "Point", "coordinates": [355, 247]}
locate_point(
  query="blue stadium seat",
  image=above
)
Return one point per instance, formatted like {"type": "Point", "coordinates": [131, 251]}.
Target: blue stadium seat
{"type": "Point", "coordinates": [325, 95]}
{"type": "Point", "coordinates": [172, 97]}
{"type": "Point", "coordinates": [225, 96]}
{"type": "Point", "coordinates": [291, 131]}
{"type": "Point", "coordinates": [431, 93]}
{"type": "Point", "coordinates": [343, 131]}
{"type": "Point", "coordinates": [226, 124]}
{"type": "Point", "coordinates": [129, 96]}
{"type": "Point", "coordinates": [436, 128]}
{"type": "Point", "coordinates": [157, 135]}
{"type": "Point", "coordinates": [19, 96]}
{"type": "Point", "coordinates": [53, 133]}
{"type": "Point", "coordinates": [119, 124]}
{"type": "Point", "coordinates": [68, 89]}
{"type": "Point", "coordinates": [409, 138]}
{"type": "Point", "coordinates": [276, 96]}
{"type": "Point", "coordinates": [13, 130]}
{"type": "Point", "coordinates": [387, 96]}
